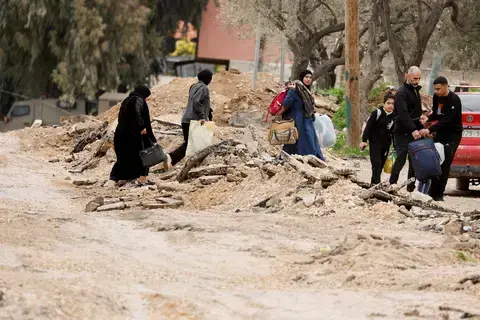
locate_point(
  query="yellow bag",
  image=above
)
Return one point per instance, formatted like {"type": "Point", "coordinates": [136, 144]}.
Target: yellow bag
{"type": "Point", "coordinates": [387, 168]}
{"type": "Point", "coordinates": [282, 132]}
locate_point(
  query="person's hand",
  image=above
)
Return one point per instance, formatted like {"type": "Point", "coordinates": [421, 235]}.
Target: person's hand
{"type": "Point", "coordinates": [416, 134]}
{"type": "Point", "coordinates": [202, 122]}
{"type": "Point", "coordinates": [363, 145]}
{"type": "Point", "coordinates": [425, 133]}
{"type": "Point", "coordinates": [5, 119]}
{"type": "Point", "coordinates": [144, 131]}
{"type": "Point", "coordinates": [423, 119]}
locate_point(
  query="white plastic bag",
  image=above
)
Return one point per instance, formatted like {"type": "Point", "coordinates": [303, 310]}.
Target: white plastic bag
{"type": "Point", "coordinates": [441, 151]}
{"type": "Point", "coordinates": [325, 131]}
{"type": "Point", "coordinates": [199, 137]}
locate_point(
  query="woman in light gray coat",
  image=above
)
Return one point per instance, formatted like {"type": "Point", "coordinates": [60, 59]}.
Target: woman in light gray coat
{"type": "Point", "coordinates": [198, 108]}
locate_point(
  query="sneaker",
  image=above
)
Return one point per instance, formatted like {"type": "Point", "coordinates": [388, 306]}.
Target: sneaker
{"type": "Point", "coordinates": [167, 163]}
{"type": "Point", "coordinates": [411, 187]}
{"type": "Point", "coordinates": [438, 199]}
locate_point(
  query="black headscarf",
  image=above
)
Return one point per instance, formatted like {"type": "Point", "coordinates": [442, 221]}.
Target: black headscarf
{"type": "Point", "coordinates": [305, 94]}
{"type": "Point", "coordinates": [205, 76]}
{"type": "Point", "coordinates": [143, 91]}
{"type": "Point", "coordinates": [302, 76]}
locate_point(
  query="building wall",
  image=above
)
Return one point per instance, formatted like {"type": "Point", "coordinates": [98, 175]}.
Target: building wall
{"type": "Point", "coordinates": [216, 41]}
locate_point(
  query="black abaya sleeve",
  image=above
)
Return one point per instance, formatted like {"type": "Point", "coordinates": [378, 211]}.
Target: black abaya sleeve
{"type": "Point", "coordinates": [139, 113]}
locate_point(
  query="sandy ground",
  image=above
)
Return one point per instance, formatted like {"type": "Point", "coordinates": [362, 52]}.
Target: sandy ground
{"type": "Point", "coordinates": [57, 262]}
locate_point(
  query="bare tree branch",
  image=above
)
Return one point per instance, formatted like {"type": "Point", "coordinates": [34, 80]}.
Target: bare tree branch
{"type": "Point", "coordinates": [308, 47]}
{"type": "Point", "coordinates": [332, 63]}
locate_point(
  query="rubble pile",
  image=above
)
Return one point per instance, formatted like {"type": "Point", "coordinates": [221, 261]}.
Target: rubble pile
{"type": "Point", "coordinates": [234, 101]}
{"type": "Point", "coordinates": [240, 171]}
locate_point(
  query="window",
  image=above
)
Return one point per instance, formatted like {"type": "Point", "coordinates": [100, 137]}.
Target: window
{"type": "Point", "coordinates": [470, 102]}
{"type": "Point", "coordinates": [20, 110]}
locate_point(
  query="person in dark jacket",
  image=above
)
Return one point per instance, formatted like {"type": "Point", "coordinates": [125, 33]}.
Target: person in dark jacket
{"type": "Point", "coordinates": [407, 126]}
{"type": "Point", "coordinates": [133, 134]}
{"type": "Point", "coordinates": [198, 108]}
{"type": "Point", "coordinates": [378, 132]}
{"type": "Point", "coordinates": [447, 110]}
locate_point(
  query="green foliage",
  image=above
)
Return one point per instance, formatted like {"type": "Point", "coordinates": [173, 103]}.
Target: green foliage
{"type": "Point", "coordinates": [184, 47]}
{"type": "Point", "coordinates": [378, 90]}
{"type": "Point", "coordinates": [340, 117]}
{"type": "Point", "coordinates": [76, 45]}
{"type": "Point", "coordinates": [464, 256]}
{"type": "Point", "coordinates": [342, 149]}
{"type": "Point", "coordinates": [336, 92]}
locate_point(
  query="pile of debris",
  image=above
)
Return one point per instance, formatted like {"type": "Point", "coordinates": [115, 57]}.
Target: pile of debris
{"type": "Point", "coordinates": [234, 101]}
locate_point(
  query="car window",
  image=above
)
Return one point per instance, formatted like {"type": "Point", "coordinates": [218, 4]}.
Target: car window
{"type": "Point", "coordinates": [20, 110]}
{"type": "Point", "coordinates": [470, 102]}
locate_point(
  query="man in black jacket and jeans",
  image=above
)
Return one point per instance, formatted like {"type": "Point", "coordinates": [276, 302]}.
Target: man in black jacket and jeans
{"type": "Point", "coordinates": [447, 110]}
{"type": "Point", "coordinates": [408, 109]}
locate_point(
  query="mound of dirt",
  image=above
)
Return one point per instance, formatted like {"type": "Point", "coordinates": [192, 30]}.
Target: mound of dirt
{"type": "Point", "coordinates": [229, 93]}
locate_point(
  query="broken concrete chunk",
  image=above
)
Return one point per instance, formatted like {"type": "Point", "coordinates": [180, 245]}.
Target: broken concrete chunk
{"type": "Point", "coordinates": [164, 203]}
{"type": "Point", "coordinates": [454, 228]}
{"type": "Point", "coordinates": [421, 197]}
{"type": "Point", "coordinates": [308, 200]}
{"type": "Point", "coordinates": [175, 187]}
{"type": "Point", "coordinates": [213, 170]}
{"type": "Point", "coordinates": [171, 202]}
{"type": "Point", "coordinates": [92, 206]}
{"type": "Point", "coordinates": [111, 200]}
{"type": "Point", "coordinates": [84, 182]}
{"type": "Point", "coordinates": [344, 172]}
{"type": "Point", "coordinates": [234, 178]}
{"type": "Point", "coordinates": [315, 162]}
{"type": "Point", "coordinates": [132, 204]}
{"type": "Point", "coordinates": [270, 169]}
{"type": "Point", "coordinates": [111, 207]}
{"type": "Point", "coordinates": [208, 180]}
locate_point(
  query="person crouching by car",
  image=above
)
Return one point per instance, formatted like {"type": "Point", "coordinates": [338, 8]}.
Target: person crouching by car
{"type": "Point", "coordinates": [378, 132]}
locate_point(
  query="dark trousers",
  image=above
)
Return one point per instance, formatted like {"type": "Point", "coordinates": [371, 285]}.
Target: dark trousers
{"type": "Point", "coordinates": [180, 152]}
{"type": "Point", "coordinates": [439, 184]}
{"type": "Point", "coordinates": [378, 157]}
{"type": "Point", "coordinates": [400, 143]}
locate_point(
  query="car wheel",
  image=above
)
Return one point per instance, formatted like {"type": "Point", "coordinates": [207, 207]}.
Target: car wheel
{"type": "Point", "coordinates": [463, 184]}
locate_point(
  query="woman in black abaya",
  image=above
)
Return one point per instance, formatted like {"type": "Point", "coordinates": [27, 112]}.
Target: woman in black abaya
{"type": "Point", "coordinates": [133, 134]}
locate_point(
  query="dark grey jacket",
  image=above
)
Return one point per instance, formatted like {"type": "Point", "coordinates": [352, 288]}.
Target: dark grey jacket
{"type": "Point", "coordinates": [198, 105]}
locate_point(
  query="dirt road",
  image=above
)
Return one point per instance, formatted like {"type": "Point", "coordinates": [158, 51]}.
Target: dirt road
{"type": "Point", "coordinates": [57, 262]}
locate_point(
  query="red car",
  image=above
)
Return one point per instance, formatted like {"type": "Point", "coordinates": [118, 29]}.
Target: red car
{"type": "Point", "coordinates": [466, 164]}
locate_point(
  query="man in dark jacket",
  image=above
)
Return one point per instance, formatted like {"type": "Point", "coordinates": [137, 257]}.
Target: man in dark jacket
{"type": "Point", "coordinates": [198, 108]}
{"type": "Point", "coordinates": [447, 110]}
{"type": "Point", "coordinates": [378, 133]}
{"type": "Point", "coordinates": [408, 109]}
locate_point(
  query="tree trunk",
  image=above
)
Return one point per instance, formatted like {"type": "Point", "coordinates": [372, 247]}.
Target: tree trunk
{"type": "Point", "coordinates": [317, 59]}
{"type": "Point", "coordinates": [263, 44]}
{"type": "Point", "coordinates": [300, 63]}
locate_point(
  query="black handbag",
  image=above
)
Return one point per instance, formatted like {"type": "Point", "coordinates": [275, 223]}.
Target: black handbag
{"type": "Point", "coordinates": [152, 156]}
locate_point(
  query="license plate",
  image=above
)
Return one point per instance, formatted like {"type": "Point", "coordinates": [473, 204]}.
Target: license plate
{"type": "Point", "coordinates": [467, 133]}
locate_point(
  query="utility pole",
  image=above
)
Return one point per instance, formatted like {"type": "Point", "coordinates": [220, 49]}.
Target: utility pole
{"type": "Point", "coordinates": [352, 72]}
{"type": "Point", "coordinates": [257, 53]}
